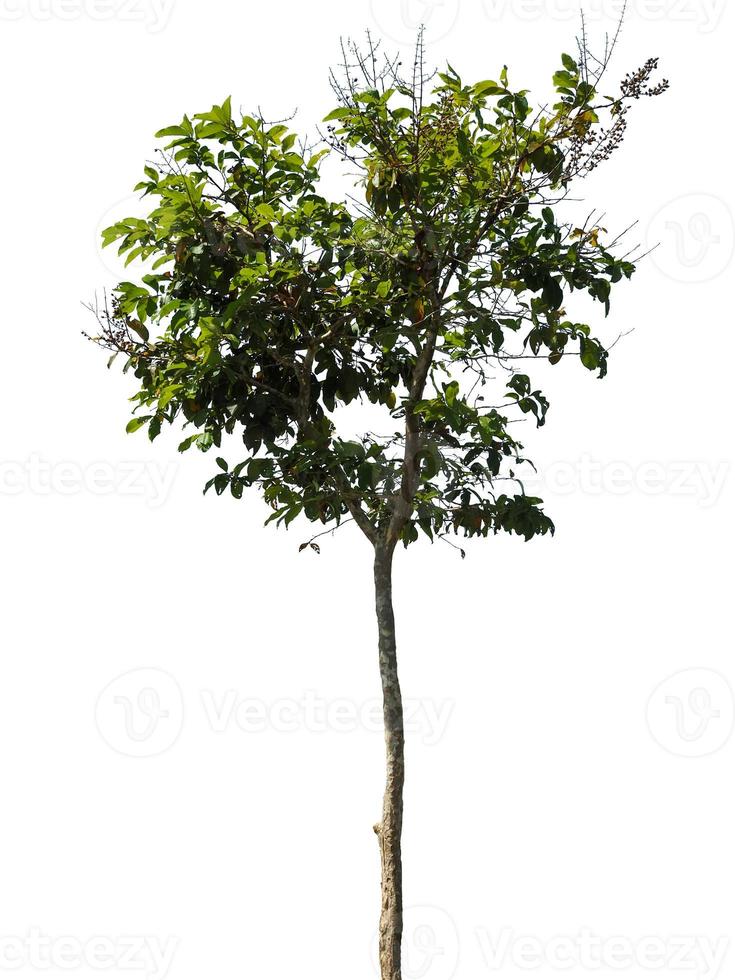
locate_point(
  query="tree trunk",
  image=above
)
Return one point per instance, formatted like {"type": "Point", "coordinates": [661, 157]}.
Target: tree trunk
{"type": "Point", "coordinates": [389, 830]}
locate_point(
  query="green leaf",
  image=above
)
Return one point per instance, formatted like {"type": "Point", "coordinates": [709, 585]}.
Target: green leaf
{"type": "Point", "coordinates": [314, 160]}
{"type": "Point", "coordinates": [154, 429]}
{"type": "Point", "coordinates": [137, 423]}
{"type": "Point", "coordinates": [589, 354]}
{"type": "Point", "coordinates": [187, 443]}
{"type": "Point", "coordinates": [553, 294]}
{"type": "Point", "coordinates": [167, 395]}
{"type": "Point", "coordinates": [171, 131]}
{"type": "Point", "coordinates": [342, 113]}
{"type": "Point", "coordinates": [488, 88]}
{"type": "Point", "coordinates": [137, 327]}
{"type": "Point", "coordinates": [266, 212]}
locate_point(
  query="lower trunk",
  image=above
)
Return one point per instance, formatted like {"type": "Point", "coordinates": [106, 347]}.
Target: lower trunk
{"type": "Point", "coordinates": [389, 830]}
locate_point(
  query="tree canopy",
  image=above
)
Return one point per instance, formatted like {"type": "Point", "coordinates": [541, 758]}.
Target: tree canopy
{"type": "Point", "coordinates": [268, 308]}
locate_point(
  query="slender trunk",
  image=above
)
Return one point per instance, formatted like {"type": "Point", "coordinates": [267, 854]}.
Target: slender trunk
{"type": "Point", "coordinates": [389, 830]}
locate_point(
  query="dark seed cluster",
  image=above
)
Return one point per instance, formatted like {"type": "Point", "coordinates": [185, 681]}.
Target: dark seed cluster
{"type": "Point", "coordinates": [589, 149]}
{"type": "Point", "coordinates": [636, 84]}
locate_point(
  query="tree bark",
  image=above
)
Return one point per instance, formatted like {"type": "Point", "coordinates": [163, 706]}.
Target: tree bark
{"type": "Point", "coordinates": [389, 829]}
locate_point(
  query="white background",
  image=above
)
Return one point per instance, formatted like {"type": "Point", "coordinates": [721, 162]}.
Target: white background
{"type": "Point", "coordinates": [569, 784]}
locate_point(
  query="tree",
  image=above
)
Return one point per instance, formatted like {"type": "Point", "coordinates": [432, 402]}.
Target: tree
{"type": "Point", "coordinates": [268, 308]}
